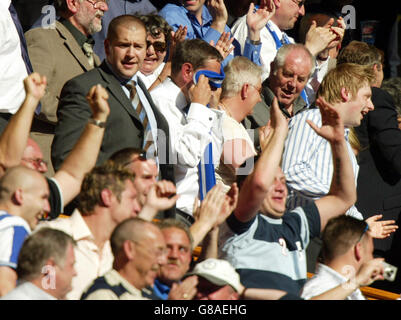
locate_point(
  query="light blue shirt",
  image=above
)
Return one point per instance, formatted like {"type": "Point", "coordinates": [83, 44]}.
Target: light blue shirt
{"type": "Point", "coordinates": [177, 15]}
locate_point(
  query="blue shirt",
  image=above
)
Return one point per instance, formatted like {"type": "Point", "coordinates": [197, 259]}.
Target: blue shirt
{"type": "Point", "coordinates": [177, 15]}
{"type": "Point", "coordinates": [161, 290]}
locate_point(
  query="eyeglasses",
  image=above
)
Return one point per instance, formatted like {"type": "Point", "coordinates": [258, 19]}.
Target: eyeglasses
{"type": "Point", "coordinates": [141, 157]}
{"type": "Point", "coordinates": [299, 3]}
{"type": "Point", "coordinates": [156, 252]}
{"type": "Point", "coordinates": [157, 45]}
{"type": "Point", "coordinates": [257, 89]}
{"type": "Point", "coordinates": [99, 4]}
{"type": "Point", "coordinates": [36, 162]}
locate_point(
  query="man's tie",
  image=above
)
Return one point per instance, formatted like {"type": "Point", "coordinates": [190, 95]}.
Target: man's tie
{"type": "Point", "coordinates": [88, 49]}
{"type": "Point", "coordinates": [140, 110]}
{"type": "Point", "coordinates": [24, 47]}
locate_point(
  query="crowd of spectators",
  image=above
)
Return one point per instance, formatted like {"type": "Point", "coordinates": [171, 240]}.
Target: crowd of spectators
{"type": "Point", "coordinates": [185, 150]}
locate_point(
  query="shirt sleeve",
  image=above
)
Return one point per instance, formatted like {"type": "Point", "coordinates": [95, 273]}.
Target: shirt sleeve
{"type": "Point", "coordinates": [55, 198]}
{"type": "Point", "coordinates": [11, 241]}
{"type": "Point", "coordinates": [303, 171]}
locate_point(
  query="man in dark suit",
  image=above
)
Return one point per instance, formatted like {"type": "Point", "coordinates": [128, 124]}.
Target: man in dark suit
{"type": "Point", "coordinates": [379, 159]}
{"type": "Point", "coordinates": [125, 48]}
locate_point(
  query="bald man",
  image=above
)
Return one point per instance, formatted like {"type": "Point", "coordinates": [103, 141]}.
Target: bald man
{"type": "Point", "coordinates": [23, 200]}
{"type": "Point", "coordinates": [139, 250]}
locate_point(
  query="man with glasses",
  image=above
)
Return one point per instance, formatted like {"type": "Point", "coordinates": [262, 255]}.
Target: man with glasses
{"type": "Point", "coordinates": [61, 53]}
{"type": "Point", "coordinates": [347, 247]}
{"type": "Point", "coordinates": [139, 251]}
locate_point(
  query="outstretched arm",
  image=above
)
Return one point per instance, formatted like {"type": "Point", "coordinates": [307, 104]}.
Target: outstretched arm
{"type": "Point", "coordinates": [82, 157]}
{"type": "Point", "coordinates": [257, 184]}
{"type": "Point", "coordinates": [342, 194]}
{"type": "Point", "coordinates": [15, 136]}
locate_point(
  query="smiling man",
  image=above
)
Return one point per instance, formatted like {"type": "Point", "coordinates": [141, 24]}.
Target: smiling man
{"type": "Point", "coordinates": [307, 159]}
{"type": "Point", "coordinates": [23, 201]}
{"type": "Point", "coordinates": [134, 121]}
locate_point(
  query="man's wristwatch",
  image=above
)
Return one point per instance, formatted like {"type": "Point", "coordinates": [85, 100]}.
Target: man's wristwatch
{"type": "Point", "coordinates": [100, 124]}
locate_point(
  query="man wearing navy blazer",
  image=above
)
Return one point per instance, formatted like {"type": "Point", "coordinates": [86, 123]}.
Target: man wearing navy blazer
{"type": "Point", "coordinates": [125, 48]}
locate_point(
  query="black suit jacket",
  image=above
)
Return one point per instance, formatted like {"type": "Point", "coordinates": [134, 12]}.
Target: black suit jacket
{"type": "Point", "coordinates": [379, 179]}
{"type": "Point", "coordinates": [123, 128]}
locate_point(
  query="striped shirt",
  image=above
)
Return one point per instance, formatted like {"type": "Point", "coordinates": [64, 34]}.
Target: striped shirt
{"type": "Point", "coordinates": [308, 164]}
{"type": "Point", "coordinates": [270, 253]}
{"type": "Point", "coordinates": [13, 231]}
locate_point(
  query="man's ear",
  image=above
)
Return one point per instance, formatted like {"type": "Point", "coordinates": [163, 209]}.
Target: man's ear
{"type": "Point", "coordinates": [244, 91]}
{"type": "Point", "coordinates": [358, 251]}
{"type": "Point", "coordinates": [72, 5]}
{"type": "Point", "coordinates": [106, 46]}
{"type": "Point", "coordinates": [107, 197]}
{"type": "Point", "coordinates": [18, 196]}
{"type": "Point", "coordinates": [129, 249]}
{"type": "Point", "coordinates": [345, 95]}
{"type": "Point", "coordinates": [187, 72]}
{"type": "Point", "coordinates": [277, 3]}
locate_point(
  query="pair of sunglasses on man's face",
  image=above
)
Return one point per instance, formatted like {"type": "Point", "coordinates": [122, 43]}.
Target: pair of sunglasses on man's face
{"type": "Point", "coordinates": [157, 45]}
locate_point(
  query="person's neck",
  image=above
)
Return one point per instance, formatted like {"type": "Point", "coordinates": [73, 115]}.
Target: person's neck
{"type": "Point", "coordinates": [77, 25]}
{"type": "Point", "coordinates": [198, 15]}
{"type": "Point", "coordinates": [131, 275]}
{"type": "Point", "coordinates": [100, 225]}
{"type": "Point", "coordinates": [342, 266]}
{"type": "Point", "coordinates": [11, 209]}
{"type": "Point", "coordinates": [232, 107]}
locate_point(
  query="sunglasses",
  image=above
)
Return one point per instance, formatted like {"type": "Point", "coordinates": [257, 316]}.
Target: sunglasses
{"type": "Point", "coordinates": [157, 45]}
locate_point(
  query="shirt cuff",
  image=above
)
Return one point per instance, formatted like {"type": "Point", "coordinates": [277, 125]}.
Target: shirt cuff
{"type": "Point", "coordinates": [199, 112]}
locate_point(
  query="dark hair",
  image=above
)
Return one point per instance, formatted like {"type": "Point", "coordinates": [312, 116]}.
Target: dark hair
{"type": "Point", "coordinates": [38, 248]}
{"type": "Point", "coordinates": [156, 25]}
{"type": "Point", "coordinates": [99, 178]}
{"type": "Point", "coordinates": [360, 53]}
{"type": "Point", "coordinates": [195, 52]}
{"type": "Point", "coordinates": [122, 158]}
{"type": "Point", "coordinates": [125, 20]}
{"type": "Point", "coordinates": [339, 235]}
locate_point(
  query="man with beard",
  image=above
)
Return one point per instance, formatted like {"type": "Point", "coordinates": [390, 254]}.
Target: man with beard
{"type": "Point", "coordinates": [61, 53]}
{"type": "Point", "coordinates": [139, 251]}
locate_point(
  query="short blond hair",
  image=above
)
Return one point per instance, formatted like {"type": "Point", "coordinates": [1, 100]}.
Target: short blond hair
{"type": "Point", "coordinates": [350, 76]}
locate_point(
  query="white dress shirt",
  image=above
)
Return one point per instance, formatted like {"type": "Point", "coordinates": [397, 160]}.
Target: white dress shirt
{"type": "Point", "coordinates": [148, 79]}
{"type": "Point", "coordinates": [307, 161]}
{"type": "Point", "coordinates": [90, 261]}
{"type": "Point", "coordinates": [188, 138]}
{"type": "Point", "coordinates": [12, 66]}
{"type": "Point", "coordinates": [268, 50]}
{"type": "Point", "coordinates": [27, 291]}
{"type": "Point", "coordinates": [325, 279]}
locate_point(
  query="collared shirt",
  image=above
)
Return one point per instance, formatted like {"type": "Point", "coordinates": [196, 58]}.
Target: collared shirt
{"type": "Point", "coordinates": [90, 261]}
{"type": "Point", "coordinates": [78, 35]}
{"type": "Point", "coordinates": [188, 138]}
{"type": "Point", "coordinates": [177, 15]}
{"type": "Point", "coordinates": [12, 66]}
{"type": "Point", "coordinates": [13, 231]}
{"type": "Point", "coordinates": [268, 48]}
{"type": "Point", "coordinates": [146, 106]}
{"type": "Point", "coordinates": [112, 286]}
{"type": "Point", "coordinates": [325, 279]}
{"type": "Point", "coordinates": [148, 79]}
{"type": "Point", "coordinates": [161, 290]}
{"type": "Point", "coordinates": [27, 291]}
{"type": "Point", "coordinates": [307, 161]}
